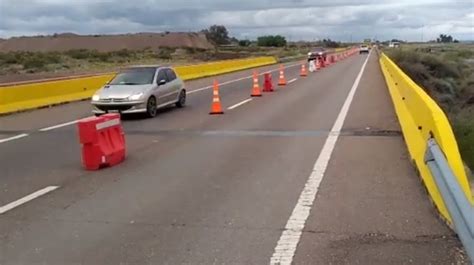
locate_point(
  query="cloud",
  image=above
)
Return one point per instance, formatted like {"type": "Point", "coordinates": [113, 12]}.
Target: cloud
{"type": "Point", "coordinates": [296, 19]}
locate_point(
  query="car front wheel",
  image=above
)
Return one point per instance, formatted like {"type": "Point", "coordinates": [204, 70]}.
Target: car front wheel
{"type": "Point", "coordinates": [151, 107]}
{"type": "Point", "coordinates": [182, 99]}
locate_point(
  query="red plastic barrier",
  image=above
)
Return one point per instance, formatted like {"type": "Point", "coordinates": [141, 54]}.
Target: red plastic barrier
{"type": "Point", "coordinates": [102, 140]}
{"type": "Point", "coordinates": [267, 85]}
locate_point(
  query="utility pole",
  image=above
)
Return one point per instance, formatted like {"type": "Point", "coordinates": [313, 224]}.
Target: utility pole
{"type": "Point", "coordinates": [422, 28]}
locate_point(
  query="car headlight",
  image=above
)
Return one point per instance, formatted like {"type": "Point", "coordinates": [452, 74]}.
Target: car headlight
{"type": "Point", "coordinates": [136, 96]}
{"type": "Point", "coordinates": [95, 98]}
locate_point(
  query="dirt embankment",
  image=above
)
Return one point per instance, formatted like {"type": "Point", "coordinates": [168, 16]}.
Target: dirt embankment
{"type": "Point", "coordinates": [105, 43]}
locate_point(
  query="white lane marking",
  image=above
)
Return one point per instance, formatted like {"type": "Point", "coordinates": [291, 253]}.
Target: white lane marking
{"type": "Point", "coordinates": [107, 124]}
{"type": "Point", "coordinates": [292, 80]}
{"type": "Point", "coordinates": [290, 237]}
{"type": "Point", "coordinates": [239, 104]}
{"type": "Point", "coordinates": [238, 79]}
{"type": "Point", "coordinates": [58, 126]}
{"type": "Point", "coordinates": [197, 90]}
{"type": "Point", "coordinates": [26, 199]}
{"type": "Point", "coordinates": [220, 84]}
{"type": "Point", "coordinates": [4, 140]}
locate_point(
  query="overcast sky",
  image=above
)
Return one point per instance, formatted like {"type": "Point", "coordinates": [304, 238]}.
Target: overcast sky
{"type": "Point", "coordinates": [412, 20]}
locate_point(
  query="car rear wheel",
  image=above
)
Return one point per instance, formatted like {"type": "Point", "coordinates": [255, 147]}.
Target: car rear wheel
{"type": "Point", "coordinates": [182, 99]}
{"type": "Point", "coordinates": [151, 107]}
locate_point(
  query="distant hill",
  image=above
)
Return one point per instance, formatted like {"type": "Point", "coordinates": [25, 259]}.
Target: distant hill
{"type": "Point", "coordinates": [138, 41]}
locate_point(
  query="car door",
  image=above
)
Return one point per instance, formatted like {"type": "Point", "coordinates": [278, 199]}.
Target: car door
{"type": "Point", "coordinates": [174, 84]}
{"type": "Point", "coordinates": [163, 87]}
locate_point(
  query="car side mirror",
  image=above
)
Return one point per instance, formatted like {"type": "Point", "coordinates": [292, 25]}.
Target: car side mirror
{"type": "Point", "coordinates": [161, 82]}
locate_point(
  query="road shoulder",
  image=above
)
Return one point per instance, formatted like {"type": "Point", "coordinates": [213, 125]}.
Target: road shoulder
{"type": "Point", "coordinates": [371, 207]}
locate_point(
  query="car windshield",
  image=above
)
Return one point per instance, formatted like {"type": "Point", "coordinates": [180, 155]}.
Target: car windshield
{"type": "Point", "coordinates": [141, 76]}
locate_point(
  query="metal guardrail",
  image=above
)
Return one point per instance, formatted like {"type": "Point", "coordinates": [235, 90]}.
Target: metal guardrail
{"type": "Point", "coordinates": [459, 207]}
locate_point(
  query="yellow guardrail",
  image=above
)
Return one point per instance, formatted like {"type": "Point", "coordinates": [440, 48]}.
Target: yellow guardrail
{"type": "Point", "coordinates": [421, 118]}
{"type": "Point", "coordinates": [18, 97]}
{"type": "Point", "coordinates": [187, 72]}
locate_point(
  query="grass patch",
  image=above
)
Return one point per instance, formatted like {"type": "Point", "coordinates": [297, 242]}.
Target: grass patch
{"type": "Point", "coordinates": [464, 131]}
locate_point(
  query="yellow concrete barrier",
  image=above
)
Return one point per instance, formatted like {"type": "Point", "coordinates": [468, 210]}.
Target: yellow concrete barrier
{"type": "Point", "coordinates": [33, 95]}
{"type": "Point", "coordinates": [17, 97]}
{"type": "Point", "coordinates": [187, 72]}
{"type": "Point", "coordinates": [340, 49]}
{"type": "Point", "coordinates": [421, 118]}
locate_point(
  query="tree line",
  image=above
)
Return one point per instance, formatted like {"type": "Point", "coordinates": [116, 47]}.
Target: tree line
{"type": "Point", "coordinates": [219, 35]}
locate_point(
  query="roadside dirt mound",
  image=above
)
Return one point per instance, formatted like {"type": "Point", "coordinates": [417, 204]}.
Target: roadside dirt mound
{"type": "Point", "coordinates": [105, 43]}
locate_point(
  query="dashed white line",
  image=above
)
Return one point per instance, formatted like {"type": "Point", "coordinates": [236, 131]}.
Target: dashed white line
{"type": "Point", "coordinates": [238, 79]}
{"type": "Point", "coordinates": [289, 239]}
{"type": "Point", "coordinates": [197, 90]}
{"type": "Point", "coordinates": [239, 104]}
{"type": "Point", "coordinates": [58, 126]}
{"type": "Point", "coordinates": [292, 80]}
{"type": "Point", "coordinates": [4, 140]}
{"type": "Point", "coordinates": [26, 199]}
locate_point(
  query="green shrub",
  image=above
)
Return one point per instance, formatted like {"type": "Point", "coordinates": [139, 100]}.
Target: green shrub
{"type": "Point", "coordinates": [123, 53]}
{"type": "Point", "coordinates": [464, 131]}
{"type": "Point", "coordinates": [271, 41]}
{"type": "Point", "coordinates": [442, 86]}
{"type": "Point", "coordinates": [9, 58]}
{"type": "Point", "coordinates": [39, 60]}
{"type": "Point", "coordinates": [244, 43]}
{"type": "Point", "coordinates": [165, 53]}
{"type": "Point", "coordinates": [438, 67]}
{"type": "Point", "coordinates": [81, 54]}
{"type": "Point", "coordinates": [103, 57]}
{"type": "Point", "coordinates": [416, 71]}
{"type": "Point", "coordinates": [405, 56]}
{"type": "Point", "coordinates": [190, 50]}
{"type": "Point", "coordinates": [34, 63]}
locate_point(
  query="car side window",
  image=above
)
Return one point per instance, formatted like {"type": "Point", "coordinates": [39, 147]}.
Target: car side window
{"type": "Point", "coordinates": [161, 75]}
{"type": "Point", "coordinates": [171, 74]}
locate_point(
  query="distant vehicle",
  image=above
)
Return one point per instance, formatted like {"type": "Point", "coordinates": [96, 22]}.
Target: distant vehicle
{"type": "Point", "coordinates": [364, 48]}
{"type": "Point", "coordinates": [394, 44]}
{"type": "Point", "coordinates": [317, 53]}
{"type": "Point", "coordinates": [140, 89]}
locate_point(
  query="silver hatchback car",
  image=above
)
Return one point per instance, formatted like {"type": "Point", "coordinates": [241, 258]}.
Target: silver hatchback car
{"type": "Point", "coordinates": [140, 89]}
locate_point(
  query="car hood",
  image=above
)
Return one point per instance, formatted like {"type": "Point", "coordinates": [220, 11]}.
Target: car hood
{"type": "Point", "coordinates": [122, 91]}
{"type": "Point", "coordinates": [317, 52]}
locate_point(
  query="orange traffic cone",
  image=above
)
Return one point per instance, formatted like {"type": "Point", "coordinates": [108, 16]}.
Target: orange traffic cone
{"type": "Point", "coordinates": [303, 70]}
{"type": "Point", "coordinates": [282, 80]}
{"type": "Point", "coordinates": [216, 107]}
{"type": "Point", "coordinates": [256, 88]}
{"type": "Point", "coordinates": [318, 64]}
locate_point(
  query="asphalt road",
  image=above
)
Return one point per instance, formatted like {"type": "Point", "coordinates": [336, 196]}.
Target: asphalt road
{"type": "Point", "coordinates": [201, 189]}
